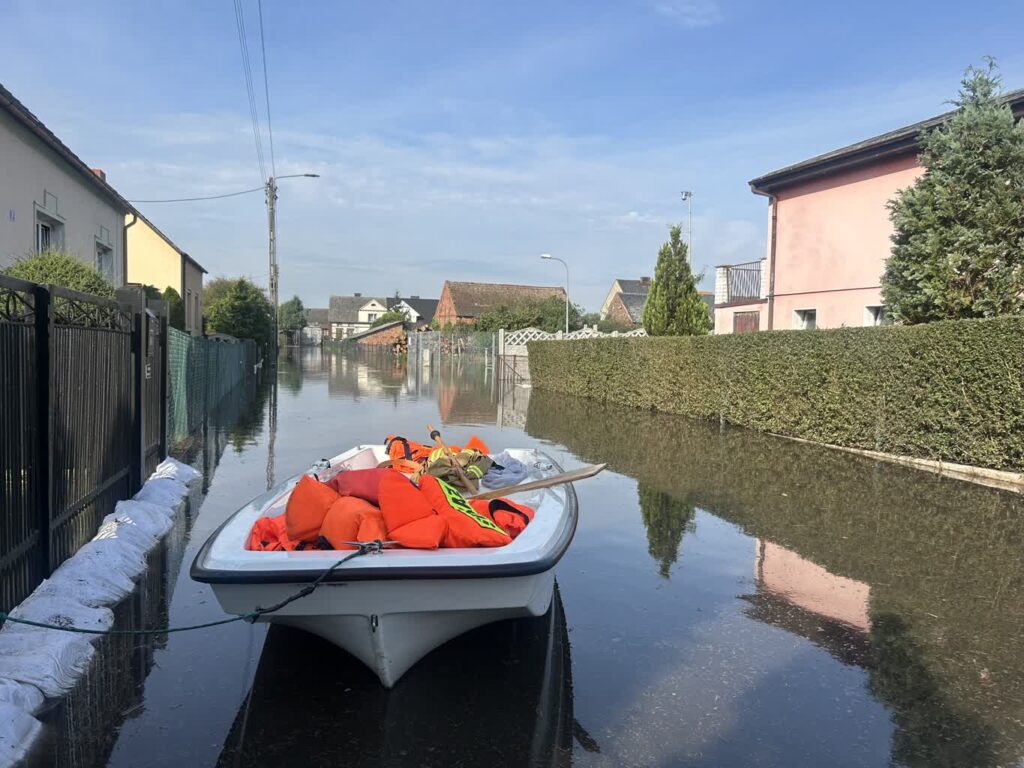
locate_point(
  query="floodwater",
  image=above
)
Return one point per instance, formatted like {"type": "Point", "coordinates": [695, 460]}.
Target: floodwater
{"type": "Point", "coordinates": [730, 599]}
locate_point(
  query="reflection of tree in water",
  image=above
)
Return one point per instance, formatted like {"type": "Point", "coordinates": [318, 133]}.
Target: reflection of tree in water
{"type": "Point", "coordinates": [667, 520]}
{"type": "Point", "coordinates": [250, 420]}
{"type": "Point", "coordinates": [930, 729]}
{"type": "Point", "coordinates": [922, 543]}
{"type": "Point", "coordinates": [289, 374]}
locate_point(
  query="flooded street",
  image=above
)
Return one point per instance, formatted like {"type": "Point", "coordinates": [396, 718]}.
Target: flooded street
{"type": "Point", "coordinates": [729, 599]}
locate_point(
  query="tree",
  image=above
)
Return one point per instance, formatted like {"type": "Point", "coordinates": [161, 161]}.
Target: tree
{"type": "Point", "coordinates": [60, 268]}
{"type": "Point", "coordinates": [667, 520]}
{"type": "Point", "coordinates": [214, 289]}
{"type": "Point", "coordinates": [242, 310]}
{"type": "Point", "coordinates": [175, 308]}
{"type": "Point", "coordinates": [958, 244]}
{"type": "Point", "coordinates": [391, 316]}
{"type": "Point", "coordinates": [291, 315]}
{"type": "Point", "coordinates": [674, 305]}
{"type": "Point", "coordinates": [546, 314]}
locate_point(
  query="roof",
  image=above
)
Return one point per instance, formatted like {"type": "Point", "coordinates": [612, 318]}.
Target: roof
{"type": "Point", "coordinates": [634, 304]}
{"type": "Point", "coordinates": [901, 141]}
{"type": "Point", "coordinates": [475, 299]}
{"type": "Point", "coordinates": [316, 317]}
{"type": "Point", "coordinates": [634, 286]}
{"type": "Point", "coordinates": [345, 309]}
{"type": "Point", "coordinates": [34, 125]}
{"type": "Point", "coordinates": [425, 308]}
{"type": "Point", "coordinates": [136, 212]}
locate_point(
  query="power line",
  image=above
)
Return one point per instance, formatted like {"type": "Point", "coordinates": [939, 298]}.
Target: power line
{"type": "Point", "coordinates": [208, 197]}
{"type": "Point", "coordinates": [250, 92]}
{"type": "Point", "coordinates": [266, 90]}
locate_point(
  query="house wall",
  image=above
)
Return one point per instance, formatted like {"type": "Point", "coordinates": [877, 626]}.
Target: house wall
{"type": "Point", "coordinates": [832, 241]}
{"type": "Point", "coordinates": [386, 337]}
{"type": "Point", "coordinates": [34, 177]}
{"type": "Point", "coordinates": [723, 316]}
{"type": "Point", "coordinates": [371, 311]}
{"type": "Point", "coordinates": [193, 286]}
{"type": "Point", "coordinates": [617, 312]}
{"type": "Point", "coordinates": [151, 261]}
{"type": "Point", "coordinates": [446, 314]}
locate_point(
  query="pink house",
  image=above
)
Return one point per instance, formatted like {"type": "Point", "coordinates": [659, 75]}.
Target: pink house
{"type": "Point", "coordinates": [828, 237]}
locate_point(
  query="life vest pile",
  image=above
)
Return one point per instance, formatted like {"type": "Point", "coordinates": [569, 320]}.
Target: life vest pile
{"type": "Point", "coordinates": [385, 504]}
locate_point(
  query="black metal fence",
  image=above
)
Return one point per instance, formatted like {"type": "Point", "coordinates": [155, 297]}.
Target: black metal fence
{"type": "Point", "coordinates": [82, 419]}
{"type": "Point", "coordinates": [743, 281]}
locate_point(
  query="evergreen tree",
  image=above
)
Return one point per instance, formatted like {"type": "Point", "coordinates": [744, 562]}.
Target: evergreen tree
{"type": "Point", "coordinates": [674, 306]}
{"type": "Point", "coordinates": [958, 245]}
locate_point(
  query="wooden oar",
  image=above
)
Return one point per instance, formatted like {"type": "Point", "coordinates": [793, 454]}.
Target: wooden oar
{"type": "Point", "coordinates": [436, 437]}
{"type": "Point", "coordinates": [547, 482]}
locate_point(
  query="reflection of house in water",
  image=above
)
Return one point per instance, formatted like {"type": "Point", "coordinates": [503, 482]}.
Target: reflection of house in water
{"type": "Point", "coordinates": [803, 598]}
{"type": "Point", "coordinates": [464, 398]}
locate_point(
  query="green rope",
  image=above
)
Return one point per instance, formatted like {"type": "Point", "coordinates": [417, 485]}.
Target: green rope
{"type": "Point", "coordinates": [365, 548]}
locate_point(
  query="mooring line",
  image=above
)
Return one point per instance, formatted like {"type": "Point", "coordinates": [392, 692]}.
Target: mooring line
{"type": "Point", "coordinates": [365, 548]}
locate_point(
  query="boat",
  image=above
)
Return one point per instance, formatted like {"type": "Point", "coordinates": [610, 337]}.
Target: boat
{"type": "Point", "coordinates": [499, 695]}
{"type": "Point", "coordinates": [391, 608]}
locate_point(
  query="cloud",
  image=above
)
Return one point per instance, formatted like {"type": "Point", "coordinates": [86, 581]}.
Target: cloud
{"type": "Point", "coordinates": [692, 14]}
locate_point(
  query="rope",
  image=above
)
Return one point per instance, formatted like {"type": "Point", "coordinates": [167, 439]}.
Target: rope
{"type": "Point", "coordinates": [365, 548]}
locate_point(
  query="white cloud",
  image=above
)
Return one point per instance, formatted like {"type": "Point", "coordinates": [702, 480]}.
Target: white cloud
{"type": "Point", "coordinates": [691, 14]}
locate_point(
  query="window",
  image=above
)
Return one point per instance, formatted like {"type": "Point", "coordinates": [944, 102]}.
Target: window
{"type": "Point", "coordinates": [805, 319]}
{"type": "Point", "coordinates": [197, 317]}
{"type": "Point", "coordinates": [876, 316]}
{"type": "Point", "coordinates": [105, 262]}
{"type": "Point", "coordinates": [49, 233]}
{"type": "Point", "coordinates": [188, 310]}
{"type": "Point", "coordinates": [371, 316]}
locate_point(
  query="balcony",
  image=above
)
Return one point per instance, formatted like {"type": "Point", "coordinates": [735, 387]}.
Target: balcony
{"type": "Point", "coordinates": [739, 283]}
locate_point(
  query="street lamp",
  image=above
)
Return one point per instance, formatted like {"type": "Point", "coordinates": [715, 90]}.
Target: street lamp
{"type": "Point", "coordinates": [555, 258]}
{"type": "Point", "coordinates": [271, 188]}
{"type": "Point", "coordinates": [688, 199]}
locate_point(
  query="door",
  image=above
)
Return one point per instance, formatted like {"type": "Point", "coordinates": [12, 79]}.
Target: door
{"type": "Point", "coordinates": [746, 322]}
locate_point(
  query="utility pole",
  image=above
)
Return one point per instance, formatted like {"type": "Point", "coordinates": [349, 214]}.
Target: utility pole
{"type": "Point", "coordinates": [271, 189]}
{"type": "Point", "coordinates": [272, 226]}
{"type": "Point", "coordinates": [688, 199]}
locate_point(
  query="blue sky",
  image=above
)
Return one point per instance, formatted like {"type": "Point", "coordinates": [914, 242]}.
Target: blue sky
{"type": "Point", "coordinates": [460, 140]}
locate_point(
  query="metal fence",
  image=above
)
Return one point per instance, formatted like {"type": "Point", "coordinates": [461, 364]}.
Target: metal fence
{"type": "Point", "coordinates": [452, 342]}
{"type": "Point", "coordinates": [202, 372]}
{"type": "Point", "coordinates": [80, 419]}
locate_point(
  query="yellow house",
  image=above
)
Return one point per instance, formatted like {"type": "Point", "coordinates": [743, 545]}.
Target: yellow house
{"type": "Point", "coordinates": [153, 259]}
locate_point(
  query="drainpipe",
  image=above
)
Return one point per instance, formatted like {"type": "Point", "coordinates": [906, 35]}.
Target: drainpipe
{"type": "Point", "coordinates": [124, 245]}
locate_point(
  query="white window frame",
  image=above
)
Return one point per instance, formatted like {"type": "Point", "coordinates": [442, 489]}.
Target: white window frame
{"type": "Point", "coordinates": [802, 316]}
{"type": "Point", "coordinates": [104, 251]}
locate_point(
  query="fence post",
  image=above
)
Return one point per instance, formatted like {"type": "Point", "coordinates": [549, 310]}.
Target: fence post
{"type": "Point", "coordinates": [44, 456]}
{"type": "Point", "coordinates": [135, 300]}
{"type": "Point", "coordinates": [164, 388]}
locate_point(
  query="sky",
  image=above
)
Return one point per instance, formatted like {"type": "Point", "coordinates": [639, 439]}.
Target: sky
{"type": "Point", "coordinates": [460, 140]}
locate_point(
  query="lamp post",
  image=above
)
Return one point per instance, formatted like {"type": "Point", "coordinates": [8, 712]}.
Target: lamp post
{"type": "Point", "coordinates": [688, 199]}
{"type": "Point", "coordinates": [555, 258]}
{"type": "Point", "coordinates": [271, 188]}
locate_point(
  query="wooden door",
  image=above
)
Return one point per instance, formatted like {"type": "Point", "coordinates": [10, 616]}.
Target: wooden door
{"type": "Point", "coordinates": [746, 322]}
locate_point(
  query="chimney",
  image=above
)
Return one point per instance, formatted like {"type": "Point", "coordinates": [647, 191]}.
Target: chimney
{"type": "Point", "coordinates": [357, 295]}
{"type": "Point", "coordinates": [414, 296]}
{"type": "Point", "coordinates": [99, 172]}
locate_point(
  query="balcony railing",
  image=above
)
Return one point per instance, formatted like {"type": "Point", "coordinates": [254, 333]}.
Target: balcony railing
{"type": "Point", "coordinates": [741, 282]}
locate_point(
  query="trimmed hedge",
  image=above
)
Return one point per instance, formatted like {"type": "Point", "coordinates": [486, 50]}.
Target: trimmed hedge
{"type": "Point", "coordinates": [951, 390]}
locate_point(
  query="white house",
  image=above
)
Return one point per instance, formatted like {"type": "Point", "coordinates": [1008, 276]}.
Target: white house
{"type": "Point", "coordinates": [50, 199]}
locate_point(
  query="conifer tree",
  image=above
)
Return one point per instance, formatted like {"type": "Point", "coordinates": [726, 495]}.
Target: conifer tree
{"type": "Point", "coordinates": [958, 245]}
{"type": "Point", "coordinates": [674, 306]}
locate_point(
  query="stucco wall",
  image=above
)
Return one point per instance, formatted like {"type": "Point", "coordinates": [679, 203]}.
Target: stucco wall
{"type": "Point", "coordinates": [28, 168]}
{"type": "Point", "coordinates": [151, 261]}
{"type": "Point", "coordinates": [724, 316]}
{"type": "Point", "coordinates": [832, 241]}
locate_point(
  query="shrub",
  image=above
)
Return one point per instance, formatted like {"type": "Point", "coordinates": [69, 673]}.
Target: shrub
{"type": "Point", "coordinates": [950, 390]}
{"type": "Point", "coordinates": [60, 268]}
{"type": "Point", "coordinates": [175, 308]}
{"type": "Point", "coordinates": [546, 314]}
{"type": "Point", "coordinates": [242, 310]}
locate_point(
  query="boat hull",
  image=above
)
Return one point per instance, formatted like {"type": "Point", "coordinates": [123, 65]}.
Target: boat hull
{"type": "Point", "coordinates": [391, 625]}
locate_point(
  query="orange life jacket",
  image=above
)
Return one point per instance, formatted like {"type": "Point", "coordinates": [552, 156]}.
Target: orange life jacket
{"type": "Point", "coordinates": [401, 448]}
{"type": "Point", "coordinates": [513, 518]}
{"type": "Point", "coordinates": [268, 534]}
{"type": "Point", "coordinates": [307, 506]}
{"type": "Point", "coordinates": [408, 515]}
{"type": "Point", "coordinates": [466, 526]}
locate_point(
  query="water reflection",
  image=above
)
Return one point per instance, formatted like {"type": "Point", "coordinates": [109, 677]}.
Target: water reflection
{"type": "Point", "coordinates": [666, 519]}
{"type": "Point", "coordinates": [501, 694]}
{"type": "Point", "coordinates": [914, 577]}
{"type": "Point", "coordinates": [82, 729]}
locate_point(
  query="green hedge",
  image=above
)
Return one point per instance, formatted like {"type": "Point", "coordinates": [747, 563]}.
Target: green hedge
{"type": "Point", "coordinates": [952, 390]}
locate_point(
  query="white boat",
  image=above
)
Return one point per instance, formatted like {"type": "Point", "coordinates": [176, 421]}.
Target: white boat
{"type": "Point", "coordinates": [391, 609]}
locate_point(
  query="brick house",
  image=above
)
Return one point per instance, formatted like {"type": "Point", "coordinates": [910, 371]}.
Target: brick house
{"type": "Point", "coordinates": [463, 303]}
{"type": "Point", "coordinates": [624, 304]}
{"type": "Point", "coordinates": [828, 237]}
